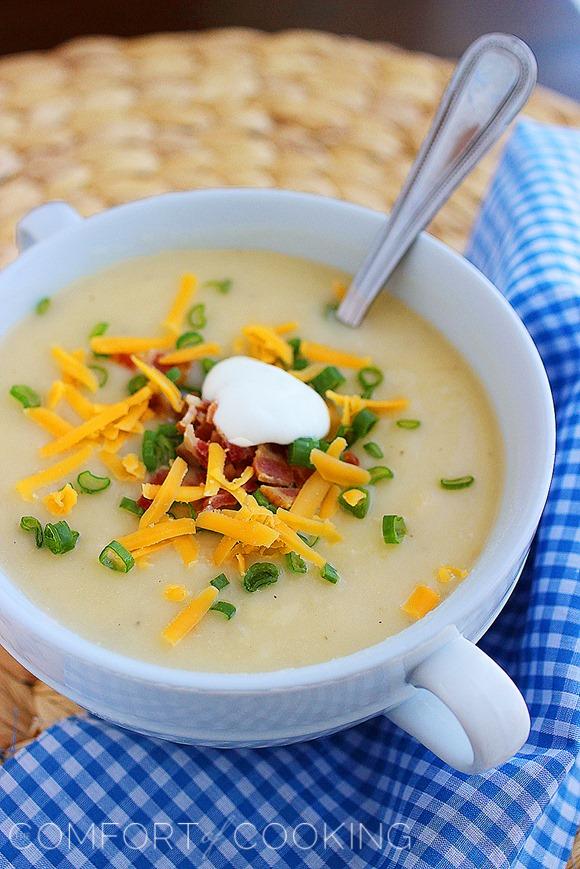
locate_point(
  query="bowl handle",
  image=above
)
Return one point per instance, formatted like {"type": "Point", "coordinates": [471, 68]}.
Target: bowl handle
{"type": "Point", "coordinates": [44, 221]}
{"type": "Point", "coordinates": [464, 708]}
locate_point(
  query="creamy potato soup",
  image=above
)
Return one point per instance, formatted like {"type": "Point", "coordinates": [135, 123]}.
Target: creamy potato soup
{"type": "Point", "coordinates": [200, 502]}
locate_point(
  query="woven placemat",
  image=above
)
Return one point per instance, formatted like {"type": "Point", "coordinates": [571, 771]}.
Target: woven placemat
{"type": "Point", "coordinates": [100, 121]}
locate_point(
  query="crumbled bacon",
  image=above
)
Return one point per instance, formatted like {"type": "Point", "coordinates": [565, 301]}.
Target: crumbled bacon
{"type": "Point", "coordinates": [300, 475]}
{"type": "Point", "coordinates": [123, 359]}
{"type": "Point", "coordinates": [271, 466]}
{"type": "Point", "coordinates": [144, 502]}
{"type": "Point", "coordinates": [280, 496]}
{"type": "Point", "coordinates": [350, 458]}
{"type": "Point", "coordinates": [221, 501]}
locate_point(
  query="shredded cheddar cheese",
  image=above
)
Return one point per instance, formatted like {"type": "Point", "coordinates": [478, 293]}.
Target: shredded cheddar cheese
{"type": "Point", "coordinates": [315, 489]}
{"type": "Point", "coordinates": [190, 354]}
{"type": "Point", "coordinates": [187, 288]}
{"type": "Point", "coordinates": [334, 471]}
{"type": "Point", "coordinates": [447, 573]}
{"type": "Point", "coordinates": [175, 593]}
{"type": "Point", "coordinates": [322, 353]}
{"type": "Point", "coordinates": [320, 528]}
{"type": "Point", "coordinates": [353, 404]}
{"type": "Point", "coordinates": [267, 345]}
{"type": "Point", "coordinates": [78, 402]}
{"type": "Point", "coordinates": [284, 328]}
{"type": "Point", "coordinates": [215, 469]}
{"type": "Point", "coordinates": [245, 532]}
{"type": "Point", "coordinates": [306, 374]}
{"type": "Point", "coordinates": [329, 504]}
{"type": "Point", "coordinates": [421, 600]}
{"type": "Point", "coordinates": [129, 468]}
{"type": "Point", "coordinates": [157, 533]}
{"type": "Point", "coordinates": [223, 550]}
{"type": "Point", "coordinates": [185, 494]}
{"type": "Point", "coordinates": [71, 366]}
{"type": "Point", "coordinates": [161, 382]}
{"type": "Point", "coordinates": [28, 485]}
{"type": "Point", "coordinates": [353, 497]}
{"type": "Point", "coordinates": [108, 345]}
{"type": "Point", "coordinates": [55, 394]}
{"type": "Point", "coordinates": [49, 420]}
{"type": "Point", "coordinates": [165, 495]}
{"type": "Point", "coordinates": [189, 617]}
{"type": "Point", "coordinates": [61, 502]}
{"type": "Point", "coordinates": [187, 548]}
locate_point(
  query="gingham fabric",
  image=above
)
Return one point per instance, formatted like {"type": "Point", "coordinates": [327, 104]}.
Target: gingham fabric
{"type": "Point", "coordinates": [88, 794]}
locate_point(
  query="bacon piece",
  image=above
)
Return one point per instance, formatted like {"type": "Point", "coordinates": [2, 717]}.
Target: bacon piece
{"type": "Point", "coordinates": [300, 475]}
{"type": "Point", "coordinates": [270, 466]}
{"type": "Point", "coordinates": [220, 501]}
{"type": "Point", "coordinates": [280, 496]}
{"type": "Point", "coordinates": [123, 359]}
{"type": "Point", "coordinates": [144, 502]}
{"type": "Point", "coordinates": [350, 458]}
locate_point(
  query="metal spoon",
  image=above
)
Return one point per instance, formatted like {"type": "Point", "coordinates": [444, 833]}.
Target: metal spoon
{"type": "Point", "coordinates": [490, 85]}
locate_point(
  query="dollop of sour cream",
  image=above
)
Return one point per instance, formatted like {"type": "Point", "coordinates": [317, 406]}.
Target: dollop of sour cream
{"type": "Point", "coordinates": [259, 403]}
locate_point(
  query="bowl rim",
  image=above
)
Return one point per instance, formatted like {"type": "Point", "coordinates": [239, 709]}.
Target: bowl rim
{"type": "Point", "coordinates": [464, 600]}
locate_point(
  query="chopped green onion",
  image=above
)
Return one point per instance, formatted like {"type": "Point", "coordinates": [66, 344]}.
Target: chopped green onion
{"type": "Point", "coordinates": [223, 606]}
{"type": "Point", "coordinates": [158, 447]}
{"type": "Point", "coordinates": [373, 450]}
{"type": "Point", "coordinates": [369, 378]}
{"type": "Point", "coordinates": [295, 563]}
{"type": "Point", "coordinates": [329, 378]}
{"type": "Point", "coordinates": [196, 317]}
{"type": "Point", "coordinates": [99, 329]}
{"type": "Point", "coordinates": [136, 383]}
{"type": "Point", "coordinates": [223, 286]}
{"type": "Point", "coordinates": [149, 450]}
{"type": "Point", "coordinates": [90, 484]}
{"type": "Point", "coordinates": [25, 395]}
{"type": "Point", "coordinates": [263, 501]}
{"type": "Point", "coordinates": [363, 422]}
{"type": "Point", "coordinates": [299, 362]}
{"type": "Point", "coordinates": [394, 529]}
{"type": "Point", "coordinates": [380, 472]}
{"type": "Point", "coordinates": [220, 581]}
{"type": "Point", "coordinates": [60, 537]}
{"type": "Point", "coordinates": [330, 573]}
{"type": "Point", "coordinates": [31, 523]}
{"type": "Point", "coordinates": [360, 509]}
{"type": "Point", "coordinates": [131, 506]}
{"type": "Point", "coordinates": [189, 339]}
{"type": "Point", "coordinates": [42, 305]}
{"type": "Point", "coordinates": [260, 574]}
{"type": "Point", "coordinates": [116, 557]}
{"type": "Point", "coordinates": [300, 449]}
{"type": "Point", "coordinates": [408, 423]}
{"type": "Point", "coordinates": [173, 374]}
{"type": "Point", "coordinates": [207, 364]}
{"type": "Point", "coordinates": [310, 539]}
{"type": "Point", "coordinates": [101, 374]}
{"type": "Point", "coordinates": [331, 308]}
{"type": "Point", "coordinates": [457, 482]}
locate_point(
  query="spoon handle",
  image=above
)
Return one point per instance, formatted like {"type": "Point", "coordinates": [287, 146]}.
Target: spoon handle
{"type": "Point", "coordinates": [491, 83]}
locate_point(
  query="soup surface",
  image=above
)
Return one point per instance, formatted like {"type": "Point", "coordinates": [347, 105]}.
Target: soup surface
{"type": "Point", "coordinates": [301, 619]}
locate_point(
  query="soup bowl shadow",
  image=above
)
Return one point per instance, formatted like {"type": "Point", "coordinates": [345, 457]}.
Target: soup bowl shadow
{"type": "Point", "coordinates": [430, 679]}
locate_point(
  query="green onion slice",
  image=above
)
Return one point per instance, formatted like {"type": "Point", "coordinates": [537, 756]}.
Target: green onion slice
{"type": "Point", "coordinates": [25, 395]}
{"type": "Point", "coordinates": [263, 501]}
{"type": "Point", "coordinates": [90, 484]}
{"type": "Point", "coordinates": [329, 378]}
{"type": "Point", "coordinates": [42, 305]}
{"type": "Point", "coordinates": [299, 362]}
{"type": "Point", "coordinates": [363, 422]}
{"type": "Point", "coordinates": [99, 329]}
{"type": "Point", "coordinates": [131, 506]}
{"type": "Point", "coordinates": [380, 472]}
{"type": "Point", "coordinates": [331, 308]}
{"type": "Point", "coordinates": [220, 581]}
{"type": "Point", "coordinates": [373, 450]}
{"type": "Point", "coordinates": [457, 482]}
{"type": "Point", "coordinates": [173, 374]}
{"type": "Point", "coordinates": [101, 374]}
{"type": "Point", "coordinates": [360, 509]}
{"type": "Point", "coordinates": [136, 383]}
{"type": "Point", "coordinates": [260, 574]}
{"type": "Point", "coordinates": [330, 573]}
{"type": "Point", "coordinates": [223, 286]}
{"type": "Point", "coordinates": [60, 537]}
{"type": "Point", "coordinates": [310, 539]}
{"type": "Point", "coordinates": [207, 364]}
{"type": "Point", "coordinates": [31, 524]}
{"type": "Point", "coordinates": [394, 529]}
{"type": "Point", "coordinates": [295, 563]}
{"type": "Point", "coordinates": [300, 449]}
{"type": "Point", "coordinates": [408, 423]}
{"type": "Point", "coordinates": [189, 339]}
{"type": "Point", "coordinates": [223, 606]}
{"type": "Point", "coordinates": [369, 378]}
{"type": "Point", "coordinates": [116, 557]}
{"type": "Point", "coordinates": [149, 450]}
{"type": "Point", "coordinates": [196, 317]}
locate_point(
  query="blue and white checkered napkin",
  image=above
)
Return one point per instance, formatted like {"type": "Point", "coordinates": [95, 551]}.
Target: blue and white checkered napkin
{"type": "Point", "coordinates": [87, 794]}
